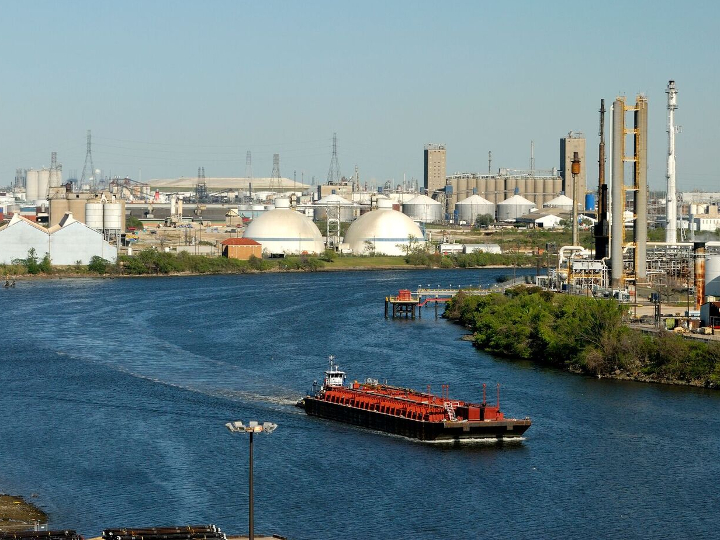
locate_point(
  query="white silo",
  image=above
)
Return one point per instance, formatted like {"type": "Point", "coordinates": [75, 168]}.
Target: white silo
{"type": "Point", "coordinates": [31, 185]}
{"type": "Point", "coordinates": [94, 215]}
{"type": "Point", "coordinates": [561, 202]}
{"type": "Point", "coordinates": [514, 207]}
{"type": "Point", "coordinates": [384, 232]}
{"type": "Point", "coordinates": [424, 209]}
{"type": "Point", "coordinates": [112, 217]}
{"type": "Point", "coordinates": [43, 183]}
{"type": "Point", "coordinates": [472, 207]}
{"type": "Point", "coordinates": [712, 276]}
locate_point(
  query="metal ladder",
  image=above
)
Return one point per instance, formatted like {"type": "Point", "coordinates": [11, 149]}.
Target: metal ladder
{"type": "Point", "coordinates": [450, 410]}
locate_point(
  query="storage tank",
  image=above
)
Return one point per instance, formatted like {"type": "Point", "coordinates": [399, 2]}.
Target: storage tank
{"type": "Point", "coordinates": [712, 276]}
{"type": "Point", "coordinates": [285, 231]}
{"type": "Point", "coordinates": [590, 201]}
{"type": "Point", "coordinates": [56, 177]}
{"type": "Point", "coordinates": [538, 190]}
{"type": "Point", "coordinates": [347, 209]}
{"type": "Point", "coordinates": [77, 207]}
{"type": "Point", "coordinates": [513, 207]}
{"type": "Point", "coordinates": [472, 207]}
{"type": "Point", "coordinates": [31, 185]}
{"type": "Point", "coordinates": [561, 202]}
{"type": "Point", "coordinates": [557, 186]}
{"type": "Point", "coordinates": [384, 232]}
{"type": "Point", "coordinates": [424, 209]}
{"type": "Point", "coordinates": [94, 215]}
{"type": "Point", "coordinates": [112, 217]}
{"type": "Point", "coordinates": [482, 186]}
{"type": "Point", "coordinates": [509, 187]}
{"type": "Point", "coordinates": [462, 190]}
{"type": "Point", "coordinates": [43, 183]}
{"type": "Point", "coordinates": [58, 208]}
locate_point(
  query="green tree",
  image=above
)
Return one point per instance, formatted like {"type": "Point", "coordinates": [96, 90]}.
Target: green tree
{"type": "Point", "coordinates": [484, 220]}
{"type": "Point", "coordinates": [98, 265]}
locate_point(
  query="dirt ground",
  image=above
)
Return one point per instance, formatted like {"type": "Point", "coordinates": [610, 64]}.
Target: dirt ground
{"type": "Point", "coordinates": [16, 514]}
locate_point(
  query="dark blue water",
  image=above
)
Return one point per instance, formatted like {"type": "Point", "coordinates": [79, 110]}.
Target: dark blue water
{"type": "Point", "coordinates": [114, 395]}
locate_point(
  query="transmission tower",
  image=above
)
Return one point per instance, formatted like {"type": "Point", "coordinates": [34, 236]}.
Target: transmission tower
{"type": "Point", "coordinates": [201, 187]}
{"type": "Point", "coordinates": [88, 159]}
{"type": "Point", "coordinates": [334, 172]}
{"type": "Point", "coordinates": [275, 176]}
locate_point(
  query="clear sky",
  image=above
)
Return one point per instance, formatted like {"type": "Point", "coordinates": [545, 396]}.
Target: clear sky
{"type": "Point", "coordinates": [169, 86]}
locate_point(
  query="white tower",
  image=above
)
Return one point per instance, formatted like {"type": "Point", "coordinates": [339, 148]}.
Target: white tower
{"type": "Point", "coordinates": [671, 227]}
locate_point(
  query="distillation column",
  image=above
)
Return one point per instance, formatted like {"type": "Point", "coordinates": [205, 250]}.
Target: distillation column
{"type": "Point", "coordinates": [618, 192]}
{"type": "Point", "coordinates": [640, 185]}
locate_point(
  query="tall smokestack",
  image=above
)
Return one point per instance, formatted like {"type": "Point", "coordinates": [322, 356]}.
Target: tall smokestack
{"type": "Point", "coordinates": [602, 232]}
{"type": "Point", "coordinates": [618, 192]}
{"type": "Point", "coordinates": [671, 227]}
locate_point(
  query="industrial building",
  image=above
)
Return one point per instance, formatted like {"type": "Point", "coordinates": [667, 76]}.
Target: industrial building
{"type": "Point", "coordinates": [573, 143]}
{"type": "Point", "coordinates": [68, 243]}
{"type": "Point", "coordinates": [434, 169]}
{"type": "Point", "coordinates": [241, 248]}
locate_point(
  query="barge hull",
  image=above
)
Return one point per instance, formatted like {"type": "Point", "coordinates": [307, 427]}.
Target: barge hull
{"type": "Point", "coordinates": [416, 429]}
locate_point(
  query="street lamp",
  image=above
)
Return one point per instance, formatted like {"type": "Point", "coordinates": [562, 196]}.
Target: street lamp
{"type": "Point", "coordinates": [252, 428]}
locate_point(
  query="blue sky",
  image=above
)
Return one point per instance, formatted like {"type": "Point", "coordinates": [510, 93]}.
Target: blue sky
{"type": "Point", "coordinates": [167, 87]}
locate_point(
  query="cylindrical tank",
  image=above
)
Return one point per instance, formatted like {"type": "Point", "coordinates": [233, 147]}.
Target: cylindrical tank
{"type": "Point", "coordinates": [56, 177]}
{"type": "Point", "coordinates": [538, 191]}
{"type": "Point", "coordinates": [510, 185]}
{"type": "Point", "coordinates": [472, 207]}
{"type": "Point", "coordinates": [699, 249]}
{"type": "Point", "coordinates": [522, 187]}
{"type": "Point", "coordinates": [112, 217]}
{"type": "Point", "coordinates": [589, 201]}
{"type": "Point", "coordinates": [77, 207]}
{"type": "Point", "coordinates": [712, 275]}
{"type": "Point", "coordinates": [513, 208]}
{"type": "Point", "coordinates": [94, 215]}
{"type": "Point", "coordinates": [482, 187]}
{"type": "Point", "coordinates": [424, 209]}
{"type": "Point", "coordinates": [462, 190]}
{"type": "Point", "coordinates": [43, 183]}
{"type": "Point", "coordinates": [58, 208]}
{"type": "Point", "coordinates": [31, 185]}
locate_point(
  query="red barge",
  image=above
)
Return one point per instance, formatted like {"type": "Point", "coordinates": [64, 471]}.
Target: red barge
{"type": "Point", "coordinates": [413, 414]}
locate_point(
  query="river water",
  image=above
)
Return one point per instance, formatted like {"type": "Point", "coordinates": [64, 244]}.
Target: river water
{"type": "Point", "coordinates": [115, 393]}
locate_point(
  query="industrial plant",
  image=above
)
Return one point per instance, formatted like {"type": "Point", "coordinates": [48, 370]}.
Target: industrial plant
{"type": "Point", "coordinates": [75, 219]}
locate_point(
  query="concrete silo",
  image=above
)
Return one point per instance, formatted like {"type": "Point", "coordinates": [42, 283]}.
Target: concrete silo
{"type": "Point", "coordinates": [31, 185]}
{"type": "Point", "coordinates": [43, 183]}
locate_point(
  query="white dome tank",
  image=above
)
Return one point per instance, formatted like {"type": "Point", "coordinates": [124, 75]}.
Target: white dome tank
{"type": "Point", "coordinates": [562, 202]}
{"type": "Point", "coordinates": [472, 207]}
{"type": "Point", "coordinates": [94, 215]}
{"type": "Point", "coordinates": [514, 207]}
{"type": "Point", "coordinates": [423, 208]}
{"type": "Point", "coordinates": [712, 276]}
{"type": "Point", "coordinates": [383, 231]}
{"type": "Point", "coordinates": [284, 231]}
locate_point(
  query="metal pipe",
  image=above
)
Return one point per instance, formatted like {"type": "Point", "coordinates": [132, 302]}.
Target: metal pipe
{"type": "Point", "coordinates": [699, 249]}
{"type": "Point", "coordinates": [671, 200]}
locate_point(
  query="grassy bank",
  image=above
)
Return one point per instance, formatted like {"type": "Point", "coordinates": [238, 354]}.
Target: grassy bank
{"type": "Point", "coordinates": [585, 335]}
{"type": "Point", "coordinates": [154, 262]}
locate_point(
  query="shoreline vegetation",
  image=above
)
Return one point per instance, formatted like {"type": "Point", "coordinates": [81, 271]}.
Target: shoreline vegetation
{"type": "Point", "coordinates": [151, 262]}
{"type": "Point", "coordinates": [581, 335]}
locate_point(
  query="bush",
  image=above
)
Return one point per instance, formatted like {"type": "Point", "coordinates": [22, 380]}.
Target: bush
{"type": "Point", "coordinates": [98, 265]}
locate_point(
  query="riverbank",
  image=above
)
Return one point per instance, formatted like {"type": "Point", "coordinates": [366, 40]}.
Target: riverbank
{"type": "Point", "coordinates": [16, 514]}
{"type": "Point", "coordinates": [583, 335]}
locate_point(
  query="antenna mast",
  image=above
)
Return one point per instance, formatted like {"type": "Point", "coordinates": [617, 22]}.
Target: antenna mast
{"type": "Point", "coordinates": [334, 172]}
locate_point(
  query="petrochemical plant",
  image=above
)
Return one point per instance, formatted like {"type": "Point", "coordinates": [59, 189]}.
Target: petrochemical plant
{"type": "Point", "coordinates": [282, 216]}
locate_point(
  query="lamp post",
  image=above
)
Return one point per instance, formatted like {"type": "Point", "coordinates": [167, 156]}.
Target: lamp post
{"type": "Point", "coordinates": [252, 428]}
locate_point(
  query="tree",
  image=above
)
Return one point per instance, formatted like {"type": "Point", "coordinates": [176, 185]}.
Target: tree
{"type": "Point", "coordinates": [98, 265]}
{"type": "Point", "coordinates": [483, 221]}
